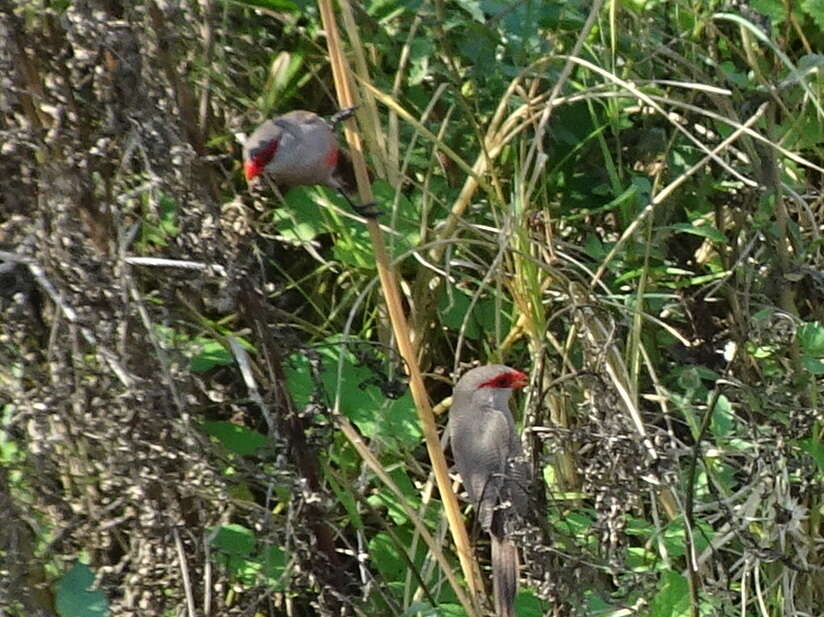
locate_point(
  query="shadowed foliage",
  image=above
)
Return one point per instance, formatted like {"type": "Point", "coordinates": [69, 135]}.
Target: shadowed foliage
{"type": "Point", "coordinates": [201, 408]}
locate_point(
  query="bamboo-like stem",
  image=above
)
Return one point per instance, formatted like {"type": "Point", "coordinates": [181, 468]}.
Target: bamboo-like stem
{"type": "Point", "coordinates": [397, 317]}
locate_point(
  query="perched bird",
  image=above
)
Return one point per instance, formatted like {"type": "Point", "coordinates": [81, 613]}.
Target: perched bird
{"type": "Point", "coordinates": [299, 148]}
{"type": "Point", "coordinates": [489, 457]}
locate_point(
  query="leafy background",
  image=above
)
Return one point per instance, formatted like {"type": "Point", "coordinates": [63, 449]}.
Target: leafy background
{"type": "Point", "coordinates": [622, 198]}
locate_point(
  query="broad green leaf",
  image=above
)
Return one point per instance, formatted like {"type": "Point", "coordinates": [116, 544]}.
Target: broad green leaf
{"type": "Point", "coordinates": [234, 539]}
{"type": "Point", "coordinates": [74, 596]}
{"type": "Point", "coordinates": [811, 339]}
{"type": "Point", "coordinates": [353, 247]}
{"type": "Point", "coordinates": [473, 7]}
{"type": "Point", "coordinates": [273, 566]}
{"type": "Point", "coordinates": [450, 610]}
{"type": "Point", "coordinates": [815, 9]}
{"type": "Point", "coordinates": [776, 10]}
{"type": "Point", "coordinates": [478, 43]}
{"type": "Point", "coordinates": [386, 556]}
{"type": "Point", "coordinates": [528, 605]}
{"type": "Point", "coordinates": [477, 320]}
{"type": "Point", "coordinates": [672, 599]}
{"type": "Point", "coordinates": [212, 353]}
{"type": "Point", "coordinates": [237, 439]}
{"type": "Point", "coordinates": [722, 417]}
{"type": "Point", "coordinates": [300, 219]}
{"type": "Point", "coordinates": [420, 51]}
{"type": "Point", "coordinates": [238, 550]}
{"type": "Point", "coordinates": [813, 365]}
{"type": "Point", "coordinates": [629, 195]}
{"type": "Point", "coordinates": [639, 558]}
{"type": "Point", "coordinates": [393, 420]}
{"type": "Point", "coordinates": [385, 498]}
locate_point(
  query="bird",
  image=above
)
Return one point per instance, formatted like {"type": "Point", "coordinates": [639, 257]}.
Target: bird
{"type": "Point", "coordinates": [489, 457]}
{"type": "Point", "coordinates": [300, 148]}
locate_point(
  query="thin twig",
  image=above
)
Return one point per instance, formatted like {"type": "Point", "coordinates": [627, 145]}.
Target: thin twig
{"type": "Point", "coordinates": [184, 572]}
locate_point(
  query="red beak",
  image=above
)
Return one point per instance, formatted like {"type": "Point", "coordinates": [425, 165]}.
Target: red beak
{"type": "Point", "coordinates": [520, 380]}
{"type": "Point", "coordinates": [251, 170]}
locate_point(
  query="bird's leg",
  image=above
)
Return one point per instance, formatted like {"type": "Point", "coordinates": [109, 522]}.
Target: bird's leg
{"type": "Point", "coordinates": [369, 211]}
{"type": "Point", "coordinates": [343, 114]}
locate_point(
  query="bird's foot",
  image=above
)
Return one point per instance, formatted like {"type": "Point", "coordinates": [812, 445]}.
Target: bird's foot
{"type": "Point", "coordinates": [369, 210]}
{"type": "Point", "coordinates": [343, 114]}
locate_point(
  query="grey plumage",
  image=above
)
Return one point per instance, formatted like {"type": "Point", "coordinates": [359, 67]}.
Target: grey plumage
{"type": "Point", "coordinates": [305, 153]}
{"type": "Point", "coordinates": [300, 148]}
{"type": "Point", "coordinates": [489, 457]}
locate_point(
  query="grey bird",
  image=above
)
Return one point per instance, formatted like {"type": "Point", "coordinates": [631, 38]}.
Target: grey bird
{"type": "Point", "coordinates": [299, 148]}
{"type": "Point", "coordinates": [489, 457]}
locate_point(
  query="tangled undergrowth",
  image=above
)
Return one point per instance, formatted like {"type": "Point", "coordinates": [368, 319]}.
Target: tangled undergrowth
{"type": "Point", "coordinates": [623, 199]}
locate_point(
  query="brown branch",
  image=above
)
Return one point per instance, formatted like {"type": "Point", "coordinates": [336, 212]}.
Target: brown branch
{"type": "Point", "coordinates": [341, 73]}
{"type": "Point", "coordinates": [292, 429]}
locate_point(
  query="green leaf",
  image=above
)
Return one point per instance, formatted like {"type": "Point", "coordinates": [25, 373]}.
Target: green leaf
{"type": "Point", "coordinates": [738, 78]}
{"type": "Point", "coordinates": [674, 537]}
{"type": "Point", "coordinates": [813, 365]}
{"type": "Point", "coordinates": [353, 247]}
{"type": "Point", "coordinates": [722, 417]}
{"type": "Point", "coordinates": [814, 448]}
{"type": "Point", "coordinates": [815, 9]}
{"type": "Point", "coordinates": [157, 230]}
{"type": "Point", "coordinates": [394, 420]}
{"type": "Point", "coordinates": [639, 558]}
{"type": "Point", "coordinates": [705, 231]}
{"type": "Point", "coordinates": [235, 548]}
{"type": "Point", "coordinates": [776, 10]}
{"type": "Point", "coordinates": [279, 6]}
{"type": "Point", "coordinates": [478, 43]}
{"type": "Point", "coordinates": [212, 353]}
{"type": "Point", "coordinates": [450, 610]}
{"type": "Point", "coordinates": [673, 534]}
{"type": "Point", "coordinates": [672, 599]}
{"type": "Point", "coordinates": [478, 320]}
{"type": "Point", "coordinates": [74, 598]}
{"type": "Point", "coordinates": [300, 220]}
{"type": "Point", "coordinates": [346, 499]}
{"type": "Point", "coordinates": [234, 539]}
{"type": "Point", "coordinates": [387, 557]}
{"type": "Point", "coordinates": [420, 50]}
{"type": "Point", "coordinates": [528, 604]}
{"type": "Point", "coordinates": [811, 339]}
{"type": "Point", "coordinates": [285, 72]}
{"type": "Point", "coordinates": [273, 562]}
{"type": "Point", "coordinates": [385, 498]}
{"type": "Point", "coordinates": [628, 196]}
{"type": "Point", "coordinates": [237, 439]}
{"type": "Point", "coordinates": [473, 7]}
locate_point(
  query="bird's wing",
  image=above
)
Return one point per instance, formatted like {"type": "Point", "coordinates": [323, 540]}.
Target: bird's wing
{"type": "Point", "coordinates": [481, 448]}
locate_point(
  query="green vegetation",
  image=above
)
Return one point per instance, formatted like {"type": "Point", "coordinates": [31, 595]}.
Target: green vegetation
{"type": "Point", "coordinates": [622, 199]}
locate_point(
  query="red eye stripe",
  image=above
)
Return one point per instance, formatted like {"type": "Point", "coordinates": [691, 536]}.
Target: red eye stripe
{"type": "Point", "coordinates": [262, 158]}
{"type": "Point", "coordinates": [512, 379]}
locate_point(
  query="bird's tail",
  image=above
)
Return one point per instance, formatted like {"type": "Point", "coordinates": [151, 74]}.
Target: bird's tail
{"type": "Point", "coordinates": [504, 575]}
